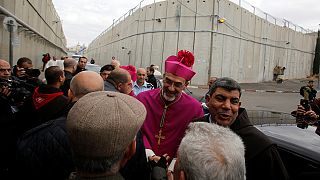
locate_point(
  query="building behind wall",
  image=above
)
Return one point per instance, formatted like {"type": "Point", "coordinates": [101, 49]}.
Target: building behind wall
{"type": "Point", "coordinates": [245, 46]}
{"type": "Point", "coordinates": [39, 30]}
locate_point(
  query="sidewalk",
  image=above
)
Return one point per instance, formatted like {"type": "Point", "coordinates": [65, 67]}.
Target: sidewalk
{"type": "Point", "coordinates": [288, 86]}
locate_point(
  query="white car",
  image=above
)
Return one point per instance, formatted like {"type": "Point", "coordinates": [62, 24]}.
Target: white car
{"type": "Point", "coordinates": [76, 56]}
{"type": "Point", "coordinates": [93, 67]}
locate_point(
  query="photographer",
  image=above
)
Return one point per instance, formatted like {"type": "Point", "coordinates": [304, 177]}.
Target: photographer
{"type": "Point", "coordinates": [308, 114]}
{"type": "Point", "coordinates": [24, 71]}
{"type": "Point", "coordinates": [5, 91]}
{"type": "Point", "coordinates": [308, 92]}
{"type": "Point", "coordinates": [7, 136]}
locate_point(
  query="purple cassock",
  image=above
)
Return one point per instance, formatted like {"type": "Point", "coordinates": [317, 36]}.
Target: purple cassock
{"type": "Point", "coordinates": [165, 136]}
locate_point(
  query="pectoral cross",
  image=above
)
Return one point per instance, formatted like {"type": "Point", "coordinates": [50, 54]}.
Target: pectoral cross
{"type": "Point", "coordinates": [159, 137]}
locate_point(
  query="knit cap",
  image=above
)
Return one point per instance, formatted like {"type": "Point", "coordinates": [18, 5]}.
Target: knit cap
{"type": "Point", "coordinates": [103, 124]}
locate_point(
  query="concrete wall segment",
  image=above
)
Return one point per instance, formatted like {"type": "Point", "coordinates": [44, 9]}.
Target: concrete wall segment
{"type": "Point", "coordinates": [30, 41]}
{"type": "Point", "coordinates": [246, 47]}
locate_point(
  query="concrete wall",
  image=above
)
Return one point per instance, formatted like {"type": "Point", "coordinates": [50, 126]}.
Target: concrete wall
{"type": "Point", "coordinates": [245, 47]}
{"type": "Point", "coordinates": [39, 31]}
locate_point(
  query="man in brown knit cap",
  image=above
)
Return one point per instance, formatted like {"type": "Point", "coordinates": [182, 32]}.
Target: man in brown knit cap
{"type": "Point", "coordinates": [102, 127]}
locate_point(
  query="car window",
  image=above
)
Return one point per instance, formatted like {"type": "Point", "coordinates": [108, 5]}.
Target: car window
{"type": "Point", "coordinates": [93, 67]}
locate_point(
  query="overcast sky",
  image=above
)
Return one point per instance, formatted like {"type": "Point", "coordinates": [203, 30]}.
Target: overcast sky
{"type": "Point", "coordinates": [83, 20]}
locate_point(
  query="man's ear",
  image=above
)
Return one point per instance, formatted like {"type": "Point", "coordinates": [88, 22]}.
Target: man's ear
{"type": "Point", "coordinates": [70, 95]}
{"type": "Point", "coordinates": [207, 97]}
{"type": "Point", "coordinates": [182, 175]}
{"type": "Point", "coordinates": [179, 175]}
{"type": "Point", "coordinates": [130, 151]}
{"type": "Point", "coordinates": [119, 86]}
{"type": "Point", "coordinates": [60, 78]}
{"type": "Point", "coordinates": [239, 103]}
{"type": "Point", "coordinates": [186, 84]}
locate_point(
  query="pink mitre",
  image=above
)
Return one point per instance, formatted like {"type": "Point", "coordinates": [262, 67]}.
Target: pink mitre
{"type": "Point", "coordinates": [181, 65]}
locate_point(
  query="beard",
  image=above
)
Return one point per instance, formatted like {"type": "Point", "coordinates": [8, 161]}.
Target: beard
{"type": "Point", "coordinates": [167, 98]}
{"type": "Point", "coordinates": [170, 97]}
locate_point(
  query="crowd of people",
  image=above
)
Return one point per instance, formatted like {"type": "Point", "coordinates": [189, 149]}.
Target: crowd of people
{"type": "Point", "coordinates": [124, 123]}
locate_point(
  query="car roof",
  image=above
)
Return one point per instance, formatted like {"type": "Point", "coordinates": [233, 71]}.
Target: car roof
{"type": "Point", "coordinates": [281, 128]}
{"type": "Point", "coordinates": [93, 67]}
{"type": "Point", "coordinates": [302, 141]}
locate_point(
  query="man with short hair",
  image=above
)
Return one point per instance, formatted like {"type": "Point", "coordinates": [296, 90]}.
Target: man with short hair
{"type": "Point", "coordinates": [5, 69]}
{"type": "Point", "coordinates": [262, 158]}
{"type": "Point", "coordinates": [308, 92]}
{"type": "Point", "coordinates": [140, 84]}
{"type": "Point", "coordinates": [5, 74]}
{"type": "Point", "coordinates": [151, 78]}
{"type": "Point", "coordinates": [70, 66]}
{"type": "Point", "coordinates": [23, 64]}
{"type": "Point", "coordinates": [22, 72]}
{"type": "Point", "coordinates": [7, 136]}
{"type": "Point", "coordinates": [169, 109]}
{"type": "Point", "coordinates": [81, 65]}
{"type": "Point", "coordinates": [119, 80]}
{"type": "Point", "coordinates": [110, 141]}
{"type": "Point", "coordinates": [209, 151]}
{"type": "Point", "coordinates": [157, 73]}
{"type": "Point", "coordinates": [47, 101]}
{"type": "Point", "coordinates": [44, 152]}
{"type": "Point", "coordinates": [105, 71]}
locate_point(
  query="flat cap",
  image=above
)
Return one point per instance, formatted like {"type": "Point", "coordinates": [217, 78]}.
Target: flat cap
{"type": "Point", "coordinates": [103, 124]}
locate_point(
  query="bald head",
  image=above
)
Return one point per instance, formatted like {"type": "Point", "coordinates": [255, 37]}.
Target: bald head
{"type": "Point", "coordinates": [141, 76]}
{"type": "Point", "coordinates": [120, 76]}
{"type": "Point", "coordinates": [141, 70]}
{"type": "Point", "coordinates": [121, 79]}
{"type": "Point", "coordinates": [86, 82]}
{"type": "Point", "coordinates": [70, 65]}
{"type": "Point", "coordinates": [5, 69]}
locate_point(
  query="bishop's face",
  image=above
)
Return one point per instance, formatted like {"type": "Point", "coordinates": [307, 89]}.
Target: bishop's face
{"type": "Point", "coordinates": [172, 86]}
{"type": "Point", "coordinates": [224, 106]}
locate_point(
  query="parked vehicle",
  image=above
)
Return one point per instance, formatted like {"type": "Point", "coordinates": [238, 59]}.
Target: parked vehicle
{"type": "Point", "coordinates": [76, 56]}
{"type": "Point", "coordinates": [298, 148]}
{"type": "Point", "coordinates": [93, 67]}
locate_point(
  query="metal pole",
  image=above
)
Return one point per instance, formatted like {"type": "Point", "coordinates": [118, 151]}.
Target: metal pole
{"type": "Point", "coordinates": [10, 28]}
{"type": "Point", "coordinates": [318, 54]}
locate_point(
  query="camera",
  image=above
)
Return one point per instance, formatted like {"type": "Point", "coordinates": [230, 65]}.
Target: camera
{"type": "Point", "coordinates": [25, 72]}
{"type": "Point", "coordinates": [302, 120]}
{"type": "Point", "coordinates": [33, 72]}
{"type": "Point", "coordinates": [18, 90]}
{"type": "Point", "coordinates": [305, 104]}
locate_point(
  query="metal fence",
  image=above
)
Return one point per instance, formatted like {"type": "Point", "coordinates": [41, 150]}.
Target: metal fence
{"type": "Point", "coordinates": [241, 3]}
{"type": "Point", "coordinates": [272, 19]}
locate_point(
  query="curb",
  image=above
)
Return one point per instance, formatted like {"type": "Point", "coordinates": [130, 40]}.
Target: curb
{"type": "Point", "coordinates": [257, 90]}
{"type": "Point", "coordinates": [271, 91]}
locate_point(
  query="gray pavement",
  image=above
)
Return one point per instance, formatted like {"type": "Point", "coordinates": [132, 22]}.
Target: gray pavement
{"type": "Point", "coordinates": [288, 86]}
{"type": "Point", "coordinates": [268, 96]}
